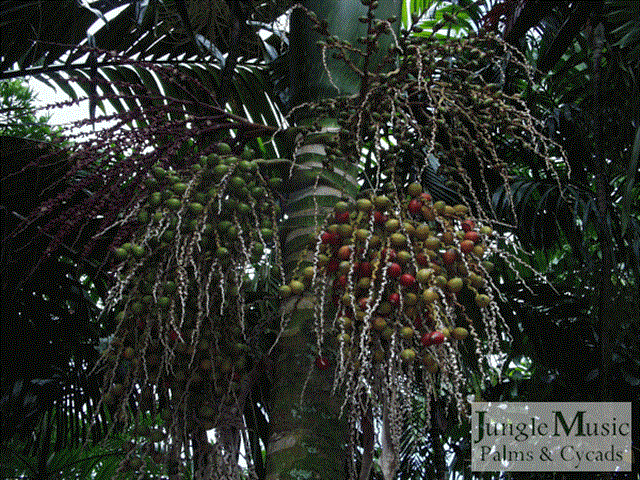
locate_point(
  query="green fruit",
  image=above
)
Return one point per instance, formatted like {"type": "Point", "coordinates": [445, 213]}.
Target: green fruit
{"type": "Point", "coordinates": [404, 256]}
{"type": "Point", "coordinates": [219, 171]}
{"type": "Point", "coordinates": [196, 208]}
{"type": "Point", "coordinates": [392, 225]}
{"type": "Point", "coordinates": [248, 153]}
{"type": "Point", "coordinates": [344, 338]}
{"type": "Point", "coordinates": [151, 182]}
{"type": "Point", "coordinates": [137, 251]}
{"type": "Point", "coordinates": [422, 232]}
{"type": "Point", "coordinates": [308, 272]}
{"type": "Point", "coordinates": [143, 216]}
{"type": "Point", "coordinates": [166, 193]}
{"type": "Point", "coordinates": [164, 302]}
{"type": "Point", "coordinates": [200, 197]}
{"type": "Point", "coordinates": [297, 287]}
{"type": "Point", "coordinates": [232, 232]}
{"type": "Point", "coordinates": [459, 333]}
{"type": "Point", "coordinates": [243, 208]}
{"type": "Point", "coordinates": [120, 253]}
{"type": "Point", "coordinates": [168, 235]}
{"type": "Point", "coordinates": [258, 249]}
{"type": "Point", "coordinates": [476, 280]}
{"type": "Point", "coordinates": [237, 182]}
{"type": "Point", "coordinates": [159, 172]}
{"type": "Point", "coordinates": [432, 243]}
{"type": "Point", "coordinates": [423, 275]}
{"type": "Point", "coordinates": [345, 230]}
{"type": "Point", "coordinates": [275, 182]}
{"type": "Point", "coordinates": [155, 199]}
{"type": "Point", "coordinates": [190, 226]}
{"type": "Point", "coordinates": [482, 300]}
{"type": "Point", "coordinates": [441, 281]}
{"type": "Point", "coordinates": [407, 333]}
{"type": "Point", "coordinates": [488, 266]}
{"type": "Point", "coordinates": [223, 148]}
{"type": "Point", "coordinates": [430, 295]}
{"type": "Point", "coordinates": [398, 240]}
{"type": "Point", "coordinates": [362, 234]}
{"type": "Point", "coordinates": [414, 189]}
{"type": "Point", "coordinates": [364, 204]}
{"type": "Point", "coordinates": [212, 159]}
{"type": "Point", "coordinates": [439, 206]}
{"type": "Point", "coordinates": [408, 355]}
{"type": "Point", "coordinates": [179, 188]}
{"type": "Point", "coordinates": [455, 284]}
{"type": "Point", "coordinates": [170, 287]}
{"type": "Point", "coordinates": [172, 203]}
{"type": "Point", "coordinates": [382, 202]}
{"type": "Point", "coordinates": [138, 308]}
{"type": "Point", "coordinates": [257, 192]}
{"type": "Point", "coordinates": [224, 225]}
{"type": "Point", "coordinates": [341, 207]}
{"type": "Point", "coordinates": [285, 291]}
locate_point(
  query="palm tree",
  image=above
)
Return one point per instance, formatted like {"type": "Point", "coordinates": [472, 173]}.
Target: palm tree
{"type": "Point", "coordinates": [186, 79]}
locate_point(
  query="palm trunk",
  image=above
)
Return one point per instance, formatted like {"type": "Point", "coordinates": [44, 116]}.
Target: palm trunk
{"type": "Point", "coordinates": [309, 438]}
{"type": "Point", "coordinates": [307, 434]}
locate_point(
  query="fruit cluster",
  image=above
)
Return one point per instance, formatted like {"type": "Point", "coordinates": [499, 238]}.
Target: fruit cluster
{"type": "Point", "coordinates": [179, 302]}
{"type": "Point", "coordinates": [398, 268]}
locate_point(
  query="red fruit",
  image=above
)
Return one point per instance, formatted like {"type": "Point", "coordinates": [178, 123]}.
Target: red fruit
{"type": "Point", "coordinates": [388, 254]}
{"type": "Point", "coordinates": [379, 218]}
{"type": "Point", "coordinates": [332, 266]}
{"type": "Point", "coordinates": [472, 235]}
{"type": "Point", "coordinates": [342, 217]}
{"type": "Point", "coordinates": [449, 256]}
{"type": "Point", "coordinates": [342, 280]}
{"type": "Point", "coordinates": [344, 253]}
{"type": "Point", "coordinates": [394, 270]}
{"type": "Point", "coordinates": [407, 280]}
{"type": "Point", "coordinates": [365, 269]}
{"type": "Point", "coordinates": [426, 197]}
{"type": "Point", "coordinates": [415, 206]}
{"type": "Point", "coordinates": [466, 246]}
{"type": "Point", "coordinates": [173, 335]}
{"type": "Point", "coordinates": [394, 298]}
{"type": "Point", "coordinates": [422, 259]}
{"type": "Point", "coordinates": [432, 338]}
{"type": "Point", "coordinates": [322, 363]}
{"type": "Point", "coordinates": [330, 238]}
{"type": "Point", "coordinates": [467, 225]}
{"type": "Point", "coordinates": [362, 303]}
